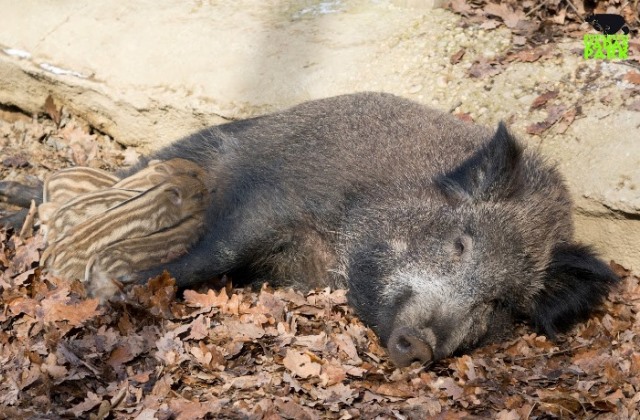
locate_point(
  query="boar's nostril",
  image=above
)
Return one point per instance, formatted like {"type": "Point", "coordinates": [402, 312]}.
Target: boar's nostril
{"type": "Point", "coordinates": [405, 347]}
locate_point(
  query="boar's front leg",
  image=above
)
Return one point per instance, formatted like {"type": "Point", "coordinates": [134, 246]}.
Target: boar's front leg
{"type": "Point", "coordinates": [19, 194]}
{"type": "Point", "coordinates": [57, 189]}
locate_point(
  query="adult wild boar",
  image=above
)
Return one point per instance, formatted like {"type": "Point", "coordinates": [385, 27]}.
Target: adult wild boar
{"type": "Point", "coordinates": [445, 233]}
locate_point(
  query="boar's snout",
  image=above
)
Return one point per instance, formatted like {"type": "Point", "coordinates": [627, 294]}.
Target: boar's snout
{"type": "Point", "coordinates": [405, 346]}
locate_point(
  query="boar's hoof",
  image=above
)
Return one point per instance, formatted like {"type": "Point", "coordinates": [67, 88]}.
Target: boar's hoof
{"type": "Point", "coordinates": [405, 347]}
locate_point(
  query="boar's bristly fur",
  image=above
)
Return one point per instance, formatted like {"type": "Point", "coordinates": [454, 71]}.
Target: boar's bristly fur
{"type": "Point", "coordinates": [445, 233]}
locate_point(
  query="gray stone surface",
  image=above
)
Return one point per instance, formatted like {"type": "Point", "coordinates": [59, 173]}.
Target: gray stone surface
{"type": "Point", "coordinates": [149, 72]}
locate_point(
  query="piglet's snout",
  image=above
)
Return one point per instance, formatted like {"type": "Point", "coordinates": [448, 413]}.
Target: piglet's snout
{"type": "Point", "coordinates": [405, 347]}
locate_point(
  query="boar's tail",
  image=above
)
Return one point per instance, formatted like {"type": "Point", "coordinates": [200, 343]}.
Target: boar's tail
{"type": "Point", "coordinates": [576, 282]}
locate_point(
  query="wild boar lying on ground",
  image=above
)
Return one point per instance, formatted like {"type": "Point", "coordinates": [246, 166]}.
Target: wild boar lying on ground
{"type": "Point", "coordinates": [444, 233]}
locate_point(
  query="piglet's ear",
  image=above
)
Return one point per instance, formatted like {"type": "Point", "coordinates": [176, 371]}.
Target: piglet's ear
{"type": "Point", "coordinates": [576, 283]}
{"type": "Point", "coordinates": [491, 173]}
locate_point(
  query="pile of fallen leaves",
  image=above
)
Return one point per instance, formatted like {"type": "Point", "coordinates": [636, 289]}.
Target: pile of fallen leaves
{"type": "Point", "coordinates": [238, 353]}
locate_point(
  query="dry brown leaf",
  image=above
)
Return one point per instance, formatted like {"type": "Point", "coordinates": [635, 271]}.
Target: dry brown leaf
{"type": "Point", "coordinates": [199, 328]}
{"type": "Point", "coordinates": [508, 415]}
{"type": "Point", "coordinates": [186, 410]}
{"type": "Point", "coordinates": [559, 403]}
{"type": "Point", "coordinates": [121, 355]}
{"type": "Point", "coordinates": [91, 401]}
{"type": "Point", "coordinates": [247, 381]}
{"type": "Point", "coordinates": [465, 367]}
{"type": "Point", "coordinates": [560, 17]}
{"type": "Point", "coordinates": [632, 77]}
{"type": "Point", "coordinates": [81, 146]}
{"type": "Point", "coordinates": [338, 393]}
{"type": "Point", "coordinates": [208, 300]}
{"type": "Point", "coordinates": [170, 349]}
{"type": "Point", "coordinates": [528, 56]}
{"type": "Point", "coordinates": [451, 388]}
{"type": "Point", "coordinates": [147, 414]}
{"type": "Point", "coordinates": [316, 342]}
{"type": "Point", "coordinates": [209, 356]}
{"type": "Point", "coordinates": [460, 6]}
{"type": "Point", "coordinates": [541, 100]}
{"type": "Point", "coordinates": [270, 306]}
{"type": "Point", "coordinates": [300, 364]}
{"type": "Point", "coordinates": [489, 25]}
{"type": "Point", "coordinates": [428, 405]}
{"type": "Point", "coordinates": [333, 372]}
{"type": "Point", "coordinates": [232, 307]}
{"type": "Point", "coordinates": [51, 110]}
{"type": "Point", "coordinates": [241, 331]}
{"type": "Point", "coordinates": [567, 119]}
{"type": "Point", "coordinates": [346, 345]}
{"type": "Point", "coordinates": [26, 255]}
{"type": "Point", "coordinates": [23, 305]}
{"type": "Point", "coordinates": [157, 295]}
{"type": "Point", "coordinates": [52, 368]}
{"type": "Point", "coordinates": [162, 387]}
{"type": "Point", "coordinates": [483, 68]}
{"type": "Point", "coordinates": [289, 409]}
{"type": "Point", "coordinates": [457, 57]}
{"type": "Point", "coordinates": [509, 16]}
{"type": "Point", "coordinates": [554, 113]}
{"type": "Point", "coordinates": [519, 41]}
{"type": "Point", "coordinates": [464, 116]}
{"type": "Point", "coordinates": [398, 389]}
{"type": "Point", "coordinates": [74, 313]}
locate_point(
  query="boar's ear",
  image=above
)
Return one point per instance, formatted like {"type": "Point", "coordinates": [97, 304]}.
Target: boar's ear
{"type": "Point", "coordinates": [576, 282]}
{"type": "Point", "coordinates": [491, 173]}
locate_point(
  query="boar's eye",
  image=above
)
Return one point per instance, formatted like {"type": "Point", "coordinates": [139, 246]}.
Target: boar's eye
{"type": "Point", "coordinates": [462, 246]}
